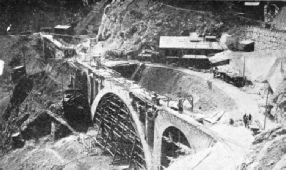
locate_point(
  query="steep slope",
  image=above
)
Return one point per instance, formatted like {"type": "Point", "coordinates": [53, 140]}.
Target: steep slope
{"type": "Point", "coordinates": [135, 24]}
{"type": "Point", "coordinates": [268, 150]}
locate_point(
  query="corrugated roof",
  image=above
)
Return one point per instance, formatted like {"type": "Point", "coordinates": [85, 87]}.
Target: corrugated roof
{"type": "Point", "coordinates": [246, 42]}
{"type": "Point", "coordinates": [251, 3]}
{"type": "Point", "coordinates": [195, 56]}
{"type": "Point", "coordinates": [183, 42]}
{"type": "Point", "coordinates": [15, 68]}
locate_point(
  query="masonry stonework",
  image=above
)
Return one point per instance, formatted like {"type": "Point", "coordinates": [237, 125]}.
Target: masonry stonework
{"type": "Point", "coordinates": [198, 137]}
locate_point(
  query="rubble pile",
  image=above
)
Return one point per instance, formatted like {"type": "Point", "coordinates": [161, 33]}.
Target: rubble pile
{"type": "Point", "coordinates": [268, 150]}
{"type": "Point", "coordinates": [36, 98]}
{"type": "Point", "coordinates": [37, 108]}
{"type": "Point", "coordinates": [30, 108]}
{"type": "Point", "coordinates": [279, 100]}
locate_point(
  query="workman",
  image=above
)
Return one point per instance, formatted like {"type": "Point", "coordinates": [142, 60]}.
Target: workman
{"type": "Point", "coordinates": [180, 105]}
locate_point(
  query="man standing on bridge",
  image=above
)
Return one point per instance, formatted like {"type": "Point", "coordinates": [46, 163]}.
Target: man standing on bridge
{"type": "Point", "coordinates": [155, 99]}
{"type": "Point", "coordinates": [245, 120]}
{"type": "Point", "coordinates": [180, 100]}
{"type": "Point", "coordinates": [249, 119]}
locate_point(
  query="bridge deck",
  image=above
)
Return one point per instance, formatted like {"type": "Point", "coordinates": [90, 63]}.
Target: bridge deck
{"type": "Point", "coordinates": [144, 94]}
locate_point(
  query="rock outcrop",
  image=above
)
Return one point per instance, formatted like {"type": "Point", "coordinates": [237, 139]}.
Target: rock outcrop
{"type": "Point", "coordinates": [268, 150]}
{"type": "Point", "coordinates": [133, 25]}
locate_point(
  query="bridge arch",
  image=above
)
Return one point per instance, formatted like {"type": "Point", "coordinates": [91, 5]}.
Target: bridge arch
{"type": "Point", "coordinates": [195, 135]}
{"type": "Point", "coordinates": [123, 96]}
{"type": "Point", "coordinates": [173, 139]}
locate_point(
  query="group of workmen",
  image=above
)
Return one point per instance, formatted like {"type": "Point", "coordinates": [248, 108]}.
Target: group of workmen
{"type": "Point", "coordinates": [247, 119]}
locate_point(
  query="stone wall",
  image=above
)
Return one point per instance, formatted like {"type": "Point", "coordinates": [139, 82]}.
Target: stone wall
{"type": "Point", "coordinates": [264, 38]}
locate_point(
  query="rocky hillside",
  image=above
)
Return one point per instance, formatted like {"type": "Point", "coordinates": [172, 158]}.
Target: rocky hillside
{"type": "Point", "coordinates": [36, 97]}
{"type": "Point", "coordinates": [268, 151]}
{"type": "Point", "coordinates": [132, 25]}
{"type": "Point", "coordinates": [128, 26]}
{"type": "Point", "coordinates": [31, 15]}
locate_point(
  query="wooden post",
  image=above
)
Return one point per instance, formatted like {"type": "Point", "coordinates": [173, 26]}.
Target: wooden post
{"type": "Point", "coordinates": [24, 57]}
{"type": "Point", "coordinates": [63, 95]}
{"type": "Point", "coordinates": [168, 100]}
{"type": "Point", "coordinates": [53, 130]}
{"type": "Point", "coordinates": [132, 150]}
{"type": "Point", "coordinates": [146, 122]}
{"type": "Point", "coordinates": [118, 143]}
{"type": "Point", "coordinates": [266, 108]}
{"type": "Point", "coordinates": [244, 70]}
{"type": "Point", "coordinates": [43, 48]}
{"type": "Point", "coordinates": [179, 139]}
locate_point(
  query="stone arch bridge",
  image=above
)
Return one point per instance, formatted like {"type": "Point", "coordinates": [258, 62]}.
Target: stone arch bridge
{"type": "Point", "coordinates": [131, 126]}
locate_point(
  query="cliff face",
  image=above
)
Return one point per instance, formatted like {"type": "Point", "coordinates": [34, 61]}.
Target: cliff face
{"type": "Point", "coordinates": [136, 24]}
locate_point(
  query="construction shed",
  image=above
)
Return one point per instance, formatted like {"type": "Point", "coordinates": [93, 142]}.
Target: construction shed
{"type": "Point", "coordinates": [246, 45]}
{"type": "Point", "coordinates": [63, 29]}
{"type": "Point", "coordinates": [187, 45]}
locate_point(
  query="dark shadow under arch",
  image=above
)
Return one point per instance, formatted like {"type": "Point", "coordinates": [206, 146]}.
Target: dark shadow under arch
{"type": "Point", "coordinates": [81, 82]}
{"type": "Point", "coordinates": [84, 84]}
{"type": "Point", "coordinates": [171, 141]}
{"type": "Point", "coordinates": [77, 83]}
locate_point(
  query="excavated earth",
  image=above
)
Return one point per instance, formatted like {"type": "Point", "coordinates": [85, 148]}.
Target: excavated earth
{"type": "Point", "coordinates": [38, 101]}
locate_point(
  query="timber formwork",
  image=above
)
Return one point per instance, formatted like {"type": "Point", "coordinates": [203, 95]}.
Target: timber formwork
{"type": "Point", "coordinates": [116, 132]}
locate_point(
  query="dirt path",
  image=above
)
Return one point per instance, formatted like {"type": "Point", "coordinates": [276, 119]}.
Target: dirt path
{"type": "Point", "coordinates": [245, 102]}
